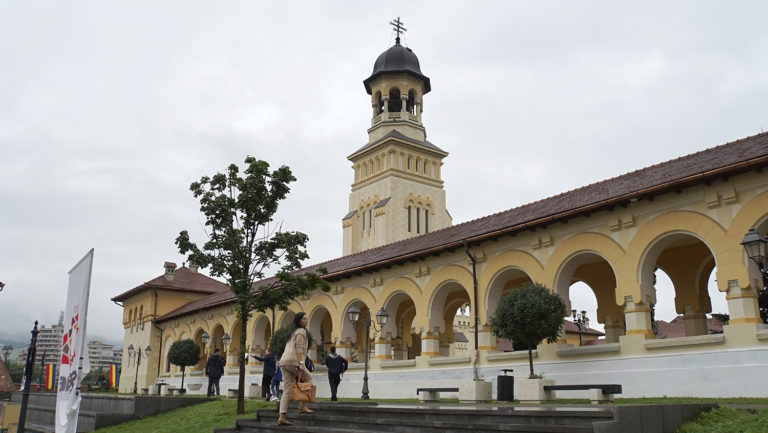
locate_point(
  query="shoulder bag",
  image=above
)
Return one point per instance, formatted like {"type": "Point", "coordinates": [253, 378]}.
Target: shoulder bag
{"type": "Point", "coordinates": [303, 391]}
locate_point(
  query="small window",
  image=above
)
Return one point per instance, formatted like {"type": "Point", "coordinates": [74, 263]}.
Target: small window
{"type": "Point", "coordinates": [408, 165]}
{"type": "Point", "coordinates": [363, 212]}
{"type": "Point", "coordinates": [418, 219]}
{"type": "Point", "coordinates": [426, 220]}
{"type": "Point", "coordinates": [409, 219]}
{"type": "Point", "coordinates": [370, 217]}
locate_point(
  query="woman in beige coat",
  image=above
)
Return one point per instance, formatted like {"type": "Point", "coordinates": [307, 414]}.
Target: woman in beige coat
{"type": "Point", "coordinates": [292, 365]}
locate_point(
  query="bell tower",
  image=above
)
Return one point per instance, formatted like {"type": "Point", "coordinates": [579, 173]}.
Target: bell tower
{"type": "Point", "coordinates": [397, 191]}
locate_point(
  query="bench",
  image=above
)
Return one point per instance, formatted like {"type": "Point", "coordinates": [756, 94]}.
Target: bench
{"type": "Point", "coordinates": [176, 391]}
{"type": "Point", "coordinates": [597, 393]}
{"type": "Point", "coordinates": [232, 392]}
{"type": "Point", "coordinates": [144, 391]}
{"type": "Point", "coordinates": [432, 394]}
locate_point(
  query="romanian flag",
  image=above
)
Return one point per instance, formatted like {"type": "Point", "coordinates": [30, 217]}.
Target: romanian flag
{"type": "Point", "coordinates": [50, 376]}
{"type": "Point", "coordinates": [113, 376]}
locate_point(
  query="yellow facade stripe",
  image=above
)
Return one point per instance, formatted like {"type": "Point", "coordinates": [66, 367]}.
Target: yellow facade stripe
{"type": "Point", "coordinates": [740, 296]}
{"type": "Point", "coordinates": [646, 332]}
{"type": "Point", "coordinates": [743, 320]}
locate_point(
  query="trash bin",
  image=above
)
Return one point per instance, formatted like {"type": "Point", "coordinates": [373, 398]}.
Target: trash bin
{"type": "Point", "coordinates": [505, 386]}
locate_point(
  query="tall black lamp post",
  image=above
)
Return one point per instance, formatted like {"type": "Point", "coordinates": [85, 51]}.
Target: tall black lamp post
{"type": "Point", "coordinates": [581, 321]}
{"type": "Point", "coordinates": [381, 319]}
{"type": "Point", "coordinates": [132, 353]}
{"type": "Point", "coordinates": [756, 246]}
{"type": "Point", "coordinates": [7, 349]}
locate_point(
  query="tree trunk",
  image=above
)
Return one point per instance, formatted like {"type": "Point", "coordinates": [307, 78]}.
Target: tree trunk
{"type": "Point", "coordinates": [241, 379]}
{"type": "Point", "coordinates": [183, 368]}
{"type": "Point", "coordinates": [530, 360]}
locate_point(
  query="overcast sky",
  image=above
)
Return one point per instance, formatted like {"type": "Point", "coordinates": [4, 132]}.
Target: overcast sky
{"type": "Point", "coordinates": [109, 110]}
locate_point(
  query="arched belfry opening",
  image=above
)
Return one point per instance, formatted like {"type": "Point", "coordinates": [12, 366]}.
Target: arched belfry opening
{"type": "Point", "coordinates": [395, 103]}
{"type": "Point", "coordinates": [378, 104]}
{"type": "Point", "coordinates": [411, 102]}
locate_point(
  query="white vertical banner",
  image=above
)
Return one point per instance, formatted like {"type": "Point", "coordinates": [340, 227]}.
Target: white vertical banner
{"type": "Point", "coordinates": [74, 350]}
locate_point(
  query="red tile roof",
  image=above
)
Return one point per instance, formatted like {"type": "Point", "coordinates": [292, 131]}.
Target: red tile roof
{"type": "Point", "coordinates": [676, 327]}
{"type": "Point", "coordinates": [184, 280]}
{"type": "Point", "coordinates": [6, 383]}
{"type": "Point", "coordinates": [725, 160]}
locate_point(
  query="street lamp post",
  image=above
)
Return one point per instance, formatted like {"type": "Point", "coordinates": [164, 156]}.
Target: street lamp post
{"type": "Point", "coordinates": [756, 246]}
{"type": "Point", "coordinates": [581, 321]}
{"type": "Point", "coordinates": [138, 355]}
{"type": "Point", "coordinates": [6, 352]}
{"type": "Point", "coordinates": [226, 339]}
{"type": "Point", "coordinates": [354, 317]}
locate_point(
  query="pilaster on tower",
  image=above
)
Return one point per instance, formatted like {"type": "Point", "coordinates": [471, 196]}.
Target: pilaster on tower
{"type": "Point", "coordinates": [397, 190]}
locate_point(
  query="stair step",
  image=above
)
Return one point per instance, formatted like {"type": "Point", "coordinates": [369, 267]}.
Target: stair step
{"type": "Point", "coordinates": [383, 421]}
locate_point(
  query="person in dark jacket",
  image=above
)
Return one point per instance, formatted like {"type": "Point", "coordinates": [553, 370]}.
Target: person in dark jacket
{"type": "Point", "coordinates": [337, 365]}
{"type": "Point", "coordinates": [269, 371]}
{"type": "Point", "coordinates": [214, 369]}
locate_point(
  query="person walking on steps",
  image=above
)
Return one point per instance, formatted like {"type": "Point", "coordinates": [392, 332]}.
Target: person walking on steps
{"type": "Point", "coordinates": [269, 371]}
{"type": "Point", "coordinates": [292, 365]}
{"type": "Point", "coordinates": [214, 368]}
{"type": "Point", "coordinates": [337, 365]}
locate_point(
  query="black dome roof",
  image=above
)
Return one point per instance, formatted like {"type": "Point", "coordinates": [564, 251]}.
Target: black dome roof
{"type": "Point", "coordinates": [397, 59]}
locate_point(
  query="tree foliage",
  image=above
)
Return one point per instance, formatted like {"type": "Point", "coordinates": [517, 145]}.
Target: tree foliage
{"type": "Point", "coordinates": [244, 243]}
{"type": "Point", "coordinates": [528, 315]}
{"type": "Point", "coordinates": [184, 353]}
{"type": "Point", "coordinates": [16, 371]}
{"type": "Point", "coordinates": [280, 339]}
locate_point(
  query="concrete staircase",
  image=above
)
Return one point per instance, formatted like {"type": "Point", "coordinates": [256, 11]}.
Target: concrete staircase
{"type": "Point", "coordinates": [361, 417]}
{"type": "Point", "coordinates": [97, 410]}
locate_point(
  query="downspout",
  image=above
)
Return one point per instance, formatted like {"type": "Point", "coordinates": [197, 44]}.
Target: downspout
{"type": "Point", "coordinates": [160, 348]}
{"type": "Point", "coordinates": [475, 308]}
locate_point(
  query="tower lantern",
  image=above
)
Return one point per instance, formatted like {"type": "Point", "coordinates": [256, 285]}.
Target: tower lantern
{"type": "Point", "coordinates": [397, 190]}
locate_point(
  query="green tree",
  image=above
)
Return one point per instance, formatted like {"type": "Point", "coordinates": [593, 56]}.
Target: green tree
{"type": "Point", "coordinates": [16, 371]}
{"type": "Point", "coordinates": [184, 353]}
{"type": "Point", "coordinates": [528, 315]}
{"type": "Point", "coordinates": [280, 339]}
{"type": "Point", "coordinates": [244, 244]}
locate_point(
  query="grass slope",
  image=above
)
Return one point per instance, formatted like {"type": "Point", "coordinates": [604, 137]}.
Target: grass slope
{"type": "Point", "coordinates": [203, 417]}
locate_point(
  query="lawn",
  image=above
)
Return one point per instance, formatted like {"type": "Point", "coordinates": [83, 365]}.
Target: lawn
{"type": "Point", "coordinates": [203, 417]}
{"type": "Point", "coordinates": [728, 420]}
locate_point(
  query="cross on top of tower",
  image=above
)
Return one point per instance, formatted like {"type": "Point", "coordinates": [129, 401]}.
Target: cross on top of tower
{"type": "Point", "coordinates": [398, 27]}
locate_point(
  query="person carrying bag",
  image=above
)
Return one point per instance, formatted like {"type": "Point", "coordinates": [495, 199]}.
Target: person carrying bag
{"type": "Point", "coordinates": [293, 369]}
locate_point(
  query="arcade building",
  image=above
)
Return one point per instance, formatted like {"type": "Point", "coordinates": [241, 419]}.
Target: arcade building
{"type": "Point", "coordinates": [402, 254]}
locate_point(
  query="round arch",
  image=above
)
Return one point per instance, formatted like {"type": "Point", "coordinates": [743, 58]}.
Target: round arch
{"type": "Point", "coordinates": [629, 270]}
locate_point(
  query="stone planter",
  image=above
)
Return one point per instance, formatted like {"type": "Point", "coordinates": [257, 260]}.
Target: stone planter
{"type": "Point", "coordinates": [475, 391]}
{"type": "Point", "coordinates": [532, 390]}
